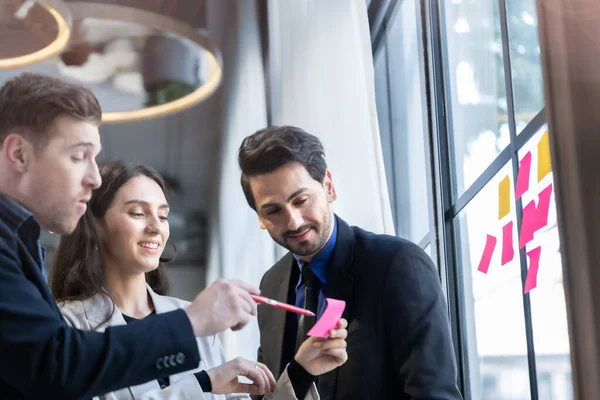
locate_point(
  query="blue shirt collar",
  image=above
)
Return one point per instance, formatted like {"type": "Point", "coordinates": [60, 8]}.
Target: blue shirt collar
{"type": "Point", "coordinates": [321, 259]}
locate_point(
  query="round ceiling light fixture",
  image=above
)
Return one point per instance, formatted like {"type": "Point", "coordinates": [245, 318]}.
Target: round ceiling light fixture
{"type": "Point", "coordinates": [177, 66]}
{"type": "Point", "coordinates": [40, 29]}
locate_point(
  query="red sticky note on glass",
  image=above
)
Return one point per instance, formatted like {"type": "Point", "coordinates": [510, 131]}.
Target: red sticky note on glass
{"type": "Point", "coordinates": [534, 263]}
{"type": "Point", "coordinates": [535, 217]}
{"type": "Point", "coordinates": [488, 251]}
{"type": "Point", "coordinates": [331, 316]}
{"type": "Point", "coordinates": [523, 176]}
{"type": "Point", "coordinates": [508, 251]}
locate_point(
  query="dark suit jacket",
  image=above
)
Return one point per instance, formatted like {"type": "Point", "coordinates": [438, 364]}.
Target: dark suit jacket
{"type": "Point", "coordinates": [42, 358]}
{"type": "Point", "coordinates": [399, 343]}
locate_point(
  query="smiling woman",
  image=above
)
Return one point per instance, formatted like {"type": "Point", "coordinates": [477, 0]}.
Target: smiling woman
{"type": "Point", "coordinates": [128, 208]}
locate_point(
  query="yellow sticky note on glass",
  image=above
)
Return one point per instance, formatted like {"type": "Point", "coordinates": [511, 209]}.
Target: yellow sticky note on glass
{"type": "Point", "coordinates": [503, 197]}
{"type": "Point", "coordinates": [544, 162]}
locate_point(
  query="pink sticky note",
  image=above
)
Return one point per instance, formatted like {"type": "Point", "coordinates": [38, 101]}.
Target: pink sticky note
{"type": "Point", "coordinates": [535, 217]}
{"type": "Point", "coordinates": [508, 251]}
{"type": "Point", "coordinates": [528, 224]}
{"type": "Point", "coordinates": [523, 176]}
{"type": "Point", "coordinates": [534, 263]}
{"type": "Point", "coordinates": [331, 316]}
{"type": "Point", "coordinates": [543, 207]}
{"type": "Point", "coordinates": [488, 251]}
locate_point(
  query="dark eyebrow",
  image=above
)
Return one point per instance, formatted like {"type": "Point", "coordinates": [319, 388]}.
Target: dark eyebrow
{"type": "Point", "coordinates": [145, 203]}
{"type": "Point", "coordinates": [296, 193]}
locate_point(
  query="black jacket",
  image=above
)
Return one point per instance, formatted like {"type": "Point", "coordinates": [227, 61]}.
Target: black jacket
{"type": "Point", "coordinates": [399, 343]}
{"type": "Point", "coordinates": [42, 358]}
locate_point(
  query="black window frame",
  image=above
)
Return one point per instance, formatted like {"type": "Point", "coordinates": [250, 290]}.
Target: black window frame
{"type": "Point", "coordinates": [444, 232]}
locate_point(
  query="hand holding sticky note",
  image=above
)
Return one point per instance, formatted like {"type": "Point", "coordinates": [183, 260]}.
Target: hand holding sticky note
{"type": "Point", "coordinates": [331, 316]}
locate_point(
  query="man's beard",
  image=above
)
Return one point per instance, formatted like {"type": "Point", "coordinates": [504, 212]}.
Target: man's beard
{"type": "Point", "coordinates": [307, 248]}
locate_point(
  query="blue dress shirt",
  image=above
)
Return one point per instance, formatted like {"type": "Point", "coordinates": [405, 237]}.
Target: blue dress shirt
{"type": "Point", "coordinates": [319, 266]}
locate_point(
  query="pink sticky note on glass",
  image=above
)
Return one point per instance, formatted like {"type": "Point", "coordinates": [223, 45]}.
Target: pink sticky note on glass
{"type": "Point", "coordinates": [543, 207]}
{"type": "Point", "coordinates": [534, 263]}
{"type": "Point", "coordinates": [488, 251]}
{"type": "Point", "coordinates": [523, 176]}
{"type": "Point", "coordinates": [535, 217]}
{"type": "Point", "coordinates": [528, 224]}
{"type": "Point", "coordinates": [331, 316]}
{"type": "Point", "coordinates": [508, 251]}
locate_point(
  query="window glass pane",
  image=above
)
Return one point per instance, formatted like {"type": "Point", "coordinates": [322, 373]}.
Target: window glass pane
{"type": "Point", "coordinates": [526, 67]}
{"type": "Point", "coordinates": [475, 76]}
{"type": "Point", "coordinates": [408, 113]}
{"type": "Point", "coordinates": [548, 309]}
{"type": "Point", "coordinates": [493, 301]}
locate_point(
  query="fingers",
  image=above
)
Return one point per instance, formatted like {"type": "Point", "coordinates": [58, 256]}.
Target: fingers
{"type": "Point", "coordinates": [238, 295]}
{"type": "Point", "coordinates": [257, 376]}
{"type": "Point", "coordinates": [270, 379]}
{"type": "Point", "coordinates": [338, 334]}
{"type": "Point", "coordinates": [340, 355]}
{"type": "Point", "coordinates": [332, 344]}
{"type": "Point", "coordinates": [244, 305]}
{"type": "Point", "coordinates": [246, 286]}
{"type": "Point", "coordinates": [249, 303]}
{"type": "Point", "coordinates": [248, 388]}
{"type": "Point", "coordinates": [262, 378]}
{"type": "Point", "coordinates": [241, 324]}
{"type": "Point", "coordinates": [340, 330]}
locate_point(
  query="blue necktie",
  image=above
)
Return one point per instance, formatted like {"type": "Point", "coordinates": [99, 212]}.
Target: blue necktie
{"type": "Point", "coordinates": [311, 299]}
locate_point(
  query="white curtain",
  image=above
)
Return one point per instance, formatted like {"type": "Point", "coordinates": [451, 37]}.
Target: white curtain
{"type": "Point", "coordinates": [321, 79]}
{"type": "Point", "coordinates": [238, 248]}
{"type": "Point", "coordinates": [321, 72]}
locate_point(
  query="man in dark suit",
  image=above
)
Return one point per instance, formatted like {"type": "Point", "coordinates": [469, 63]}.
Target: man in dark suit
{"type": "Point", "coordinates": [49, 138]}
{"type": "Point", "coordinates": [399, 343]}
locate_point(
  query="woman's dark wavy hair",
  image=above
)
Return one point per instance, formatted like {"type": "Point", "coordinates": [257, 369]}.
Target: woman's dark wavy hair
{"type": "Point", "coordinates": [78, 269]}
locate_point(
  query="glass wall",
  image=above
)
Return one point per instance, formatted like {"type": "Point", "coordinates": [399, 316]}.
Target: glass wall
{"type": "Point", "coordinates": [481, 163]}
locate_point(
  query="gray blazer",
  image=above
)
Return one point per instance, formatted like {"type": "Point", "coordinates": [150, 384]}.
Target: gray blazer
{"type": "Point", "coordinates": [88, 314]}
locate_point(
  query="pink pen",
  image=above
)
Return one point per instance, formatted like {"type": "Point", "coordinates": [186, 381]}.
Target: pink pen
{"type": "Point", "coordinates": [283, 306]}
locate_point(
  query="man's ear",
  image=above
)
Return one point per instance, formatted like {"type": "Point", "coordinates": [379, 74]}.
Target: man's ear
{"type": "Point", "coordinates": [260, 222]}
{"type": "Point", "coordinates": [18, 152]}
{"type": "Point", "coordinates": [329, 187]}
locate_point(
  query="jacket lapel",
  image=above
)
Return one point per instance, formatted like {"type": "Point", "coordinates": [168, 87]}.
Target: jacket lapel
{"type": "Point", "coordinates": [340, 285]}
{"type": "Point", "coordinates": [340, 281]}
{"type": "Point", "coordinates": [98, 310]}
{"type": "Point", "coordinates": [277, 289]}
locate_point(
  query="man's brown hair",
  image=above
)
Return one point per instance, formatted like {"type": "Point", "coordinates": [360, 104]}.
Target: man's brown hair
{"type": "Point", "coordinates": [272, 147]}
{"type": "Point", "coordinates": [29, 104]}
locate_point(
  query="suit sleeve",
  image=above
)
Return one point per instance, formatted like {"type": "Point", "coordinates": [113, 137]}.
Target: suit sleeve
{"type": "Point", "coordinates": [420, 340]}
{"type": "Point", "coordinates": [285, 391]}
{"type": "Point", "coordinates": [42, 357]}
